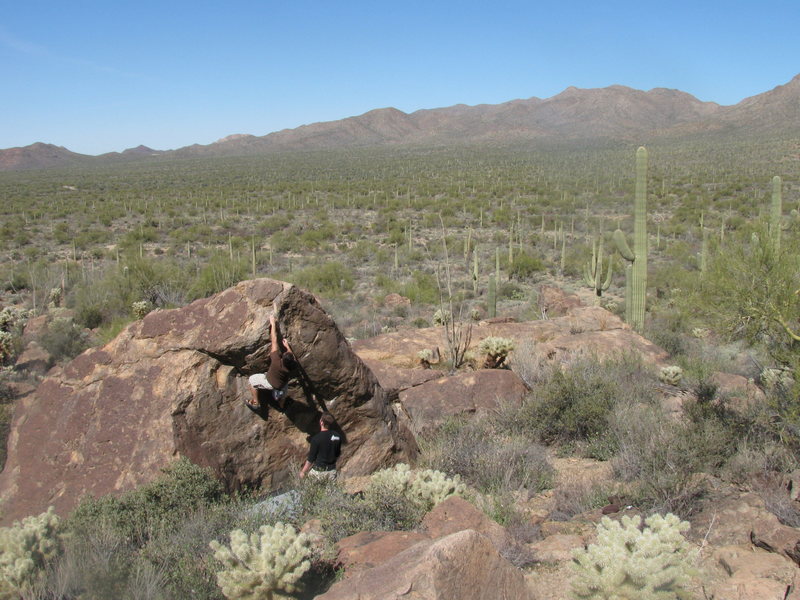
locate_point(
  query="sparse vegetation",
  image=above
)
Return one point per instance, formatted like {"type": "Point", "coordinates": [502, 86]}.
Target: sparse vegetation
{"type": "Point", "coordinates": [354, 227]}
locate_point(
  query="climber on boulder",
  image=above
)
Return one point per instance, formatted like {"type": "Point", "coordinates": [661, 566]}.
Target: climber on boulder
{"type": "Point", "coordinates": [276, 379]}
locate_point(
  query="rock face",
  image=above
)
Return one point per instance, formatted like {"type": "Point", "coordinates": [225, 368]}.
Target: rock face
{"type": "Point", "coordinates": [462, 565]}
{"type": "Point", "coordinates": [590, 328]}
{"type": "Point", "coordinates": [173, 384]}
{"type": "Point", "coordinates": [430, 404]}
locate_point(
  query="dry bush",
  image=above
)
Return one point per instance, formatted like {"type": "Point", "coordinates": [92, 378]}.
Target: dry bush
{"type": "Point", "coordinates": [777, 500]}
{"type": "Point", "coordinates": [572, 401]}
{"type": "Point", "coordinates": [657, 457]}
{"type": "Point", "coordinates": [531, 366]}
{"type": "Point", "coordinates": [580, 496]}
{"type": "Point", "coordinates": [492, 461]}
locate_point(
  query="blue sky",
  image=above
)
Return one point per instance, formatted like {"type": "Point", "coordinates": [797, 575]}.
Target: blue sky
{"type": "Point", "coordinates": [102, 76]}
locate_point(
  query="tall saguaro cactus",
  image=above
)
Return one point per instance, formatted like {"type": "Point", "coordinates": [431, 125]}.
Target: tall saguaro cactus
{"type": "Point", "coordinates": [593, 270]}
{"type": "Point", "coordinates": [636, 271]}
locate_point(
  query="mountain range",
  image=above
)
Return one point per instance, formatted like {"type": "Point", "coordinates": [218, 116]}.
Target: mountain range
{"type": "Point", "coordinates": [612, 113]}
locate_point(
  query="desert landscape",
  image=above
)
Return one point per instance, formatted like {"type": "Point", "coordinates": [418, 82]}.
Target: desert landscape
{"type": "Point", "coordinates": [560, 338]}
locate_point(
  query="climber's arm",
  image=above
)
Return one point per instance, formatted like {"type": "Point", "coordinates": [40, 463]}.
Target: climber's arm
{"type": "Point", "coordinates": [273, 334]}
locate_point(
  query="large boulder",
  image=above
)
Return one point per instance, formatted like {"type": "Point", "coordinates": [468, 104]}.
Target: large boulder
{"type": "Point", "coordinates": [173, 385]}
{"type": "Point", "coordinates": [463, 565]}
{"type": "Point", "coordinates": [456, 514]}
{"type": "Point", "coordinates": [432, 403]}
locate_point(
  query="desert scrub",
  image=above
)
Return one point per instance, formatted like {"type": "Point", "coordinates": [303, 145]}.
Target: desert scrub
{"type": "Point", "coordinates": [655, 563]}
{"type": "Point", "coordinates": [329, 279]}
{"type": "Point", "coordinates": [263, 565]}
{"type": "Point", "coordinates": [573, 402]}
{"type": "Point", "coordinates": [64, 339]}
{"type": "Point", "coordinates": [487, 457]}
{"type": "Point", "coordinates": [496, 350]}
{"type": "Point", "coordinates": [342, 515]}
{"type": "Point", "coordinates": [25, 549]}
{"type": "Point", "coordinates": [660, 456]}
{"type": "Point", "coordinates": [149, 542]}
{"type": "Point", "coordinates": [138, 514]}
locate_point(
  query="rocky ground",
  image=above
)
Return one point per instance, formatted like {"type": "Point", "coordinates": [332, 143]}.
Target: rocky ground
{"type": "Point", "coordinates": [174, 382]}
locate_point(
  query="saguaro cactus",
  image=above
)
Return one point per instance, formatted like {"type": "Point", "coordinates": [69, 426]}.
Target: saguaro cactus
{"type": "Point", "coordinates": [593, 270]}
{"type": "Point", "coordinates": [636, 272]}
{"type": "Point", "coordinates": [775, 213]}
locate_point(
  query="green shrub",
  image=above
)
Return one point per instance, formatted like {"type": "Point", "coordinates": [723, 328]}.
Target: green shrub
{"type": "Point", "coordinates": [422, 288]}
{"type": "Point", "coordinates": [524, 266]}
{"type": "Point", "coordinates": [138, 514]}
{"type": "Point", "coordinates": [573, 402]}
{"type": "Point", "coordinates": [342, 515]}
{"type": "Point", "coordinates": [182, 554]}
{"type": "Point", "coordinates": [63, 339]}
{"type": "Point", "coordinates": [328, 279]}
{"type": "Point", "coordinates": [218, 274]}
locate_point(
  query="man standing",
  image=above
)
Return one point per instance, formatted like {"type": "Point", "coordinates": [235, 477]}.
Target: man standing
{"type": "Point", "coordinates": [277, 377]}
{"type": "Point", "coordinates": [325, 449]}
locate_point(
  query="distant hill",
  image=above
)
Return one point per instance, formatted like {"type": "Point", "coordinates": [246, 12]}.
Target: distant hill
{"type": "Point", "coordinates": [39, 156]}
{"type": "Point", "coordinates": [137, 152]}
{"type": "Point", "coordinates": [612, 113]}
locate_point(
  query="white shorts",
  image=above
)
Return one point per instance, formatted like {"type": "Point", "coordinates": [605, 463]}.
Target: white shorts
{"type": "Point", "coordinates": [322, 474]}
{"type": "Point", "coordinates": [259, 381]}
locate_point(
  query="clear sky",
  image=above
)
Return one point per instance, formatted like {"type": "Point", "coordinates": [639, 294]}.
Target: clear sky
{"type": "Point", "coordinates": [98, 76]}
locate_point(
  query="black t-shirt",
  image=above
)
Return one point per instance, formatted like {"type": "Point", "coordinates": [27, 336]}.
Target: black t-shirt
{"type": "Point", "coordinates": [325, 449]}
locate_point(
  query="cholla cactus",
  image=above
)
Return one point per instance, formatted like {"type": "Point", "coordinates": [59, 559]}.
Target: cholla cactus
{"type": "Point", "coordinates": [24, 549]}
{"type": "Point", "coordinates": [700, 333]}
{"type": "Point", "coordinates": [671, 375]}
{"type": "Point", "coordinates": [425, 356]}
{"type": "Point", "coordinates": [264, 565]}
{"type": "Point", "coordinates": [430, 487]}
{"type": "Point", "coordinates": [426, 488]}
{"type": "Point", "coordinates": [12, 318]}
{"type": "Point", "coordinates": [776, 378]}
{"type": "Point", "coordinates": [6, 346]}
{"type": "Point", "coordinates": [55, 296]}
{"type": "Point", "coordinates": [442, 317]}
{"type": "Point", "coordinates": [628, 563]}
{"type": "Point", "coordinates": [496, 350]}
{"type": "Point", "coordinates": [396, 480]}
{"type": "Point", "coordinates": [140, 309]}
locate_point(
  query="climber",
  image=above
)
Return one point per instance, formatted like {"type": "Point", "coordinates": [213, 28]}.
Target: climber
{"type": "Point", "coordinates": [324, 449]}
{"type": "Point", "coordinates": [277, 377]}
